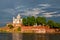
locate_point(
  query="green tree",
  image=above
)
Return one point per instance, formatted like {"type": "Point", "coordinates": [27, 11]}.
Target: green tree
{"type": "Point", "coordinates": [10, 26]}
{"type": "Point", "coordinates": [31, 20]}
{"type": "Point", "coordinates": [38, 20]}
{"type": "Point", "coordinates": [28, 21]}
{"type": "Point", "coordinates": [41, 21]}
{"type": "Point", "coordinates": [24, 21]}
{"type": "Point", "coordinates": [51, 23]}
{"type": "Point", "coordinates": [56, 25]}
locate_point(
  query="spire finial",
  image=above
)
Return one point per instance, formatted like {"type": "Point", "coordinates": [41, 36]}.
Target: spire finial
{"type": "Point", "coordinates": [18, 16]}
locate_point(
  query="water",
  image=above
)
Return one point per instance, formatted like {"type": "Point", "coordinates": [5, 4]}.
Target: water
{"type": "Point", "coordinates": [5, 36]}
{"type": "Point", "coordinates": [30, 36]}
{"type": "Point", "coordinates": [41, 36]}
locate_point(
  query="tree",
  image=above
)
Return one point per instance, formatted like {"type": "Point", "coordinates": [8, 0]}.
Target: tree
{"type": "Point", "coordinates": [51, 23]}
{"type": "Point", "coordinates": [56, 25]}
{"type": "Point", "coordinates": [10, 26]}
{"type": "Point", "coordinates": [41, 20]}
{"type": "Point", "coordinates": [29, 21]}
{"type": "Point", "coordinates": [38, 20]}
{"type": "Point", "coordinates": [24, 21]}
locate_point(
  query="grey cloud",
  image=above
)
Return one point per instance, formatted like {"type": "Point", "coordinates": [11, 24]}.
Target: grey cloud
{"type": "Point", "coordinates": [50, 14]}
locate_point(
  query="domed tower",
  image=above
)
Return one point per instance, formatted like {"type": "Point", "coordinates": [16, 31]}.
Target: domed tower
{"type": "Point", "coordinates": [17, 21]}
{"type": "Point", "coordinates": [18, 16]}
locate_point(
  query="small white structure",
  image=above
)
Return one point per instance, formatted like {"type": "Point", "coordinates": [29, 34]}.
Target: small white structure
{"type": "Point", "coordinates": [17, 20]}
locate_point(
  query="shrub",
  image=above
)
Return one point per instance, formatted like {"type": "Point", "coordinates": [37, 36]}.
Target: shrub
{"type": "Point", "coordinates": [19, 29]}
{"type": "Point", "coordinates": [10, 26]}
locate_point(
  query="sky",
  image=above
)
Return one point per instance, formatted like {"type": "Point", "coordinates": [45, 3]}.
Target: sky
{"type": "Point", "coordinates": [45, 8]}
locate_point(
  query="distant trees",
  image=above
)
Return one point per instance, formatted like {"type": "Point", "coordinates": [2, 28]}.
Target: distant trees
{"type": "Point", "coordinates": [50, 23]}
{"type": "Point", "coordinates": [24, 21]}
{"type": "Point", "coordinates": [53, 24]}
{"type": "Point", "coordinates": [41, 21]}
{"type": "Point", "coordinates": [56, 25]}
{"type": "Point", "coordinates": [31, 20]}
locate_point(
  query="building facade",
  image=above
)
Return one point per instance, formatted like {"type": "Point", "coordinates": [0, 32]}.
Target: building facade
{"type": "Point", "coordinates": [17, 21]}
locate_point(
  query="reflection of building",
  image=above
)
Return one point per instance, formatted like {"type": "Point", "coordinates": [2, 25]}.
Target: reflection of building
{"type": "Point", "coordinates": [17, 21]}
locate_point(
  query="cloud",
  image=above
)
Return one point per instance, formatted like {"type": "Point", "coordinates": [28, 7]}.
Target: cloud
{"type": "Point", "coordinates": [47, 15]}
{"type": "Point", "coordinates": [50, 14]}
{"type": "Point", "coordinates": [33, 12]}
{"type": "Point", "coordinates": [44, 5]}
{"type": "Point", "coordinates": [25, 10]}
{"type": "Point", "coordinates": [57, 15]}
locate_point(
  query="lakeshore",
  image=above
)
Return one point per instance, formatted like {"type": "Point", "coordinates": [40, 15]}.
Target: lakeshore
{"type": "Point", "coordinates": [30, 25]}
{"type": "Point", "coordinates": [18, 30]}
{"type": "Point", "coordinates": [32, 29]}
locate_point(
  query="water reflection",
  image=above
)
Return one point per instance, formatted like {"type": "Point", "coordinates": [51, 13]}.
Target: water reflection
{"type": "Point", "coordinates": [29, 36]}
{"type": "Point", "coordinates": [41, 36]}
{"type": "Point", "coordinates": [5, 36]}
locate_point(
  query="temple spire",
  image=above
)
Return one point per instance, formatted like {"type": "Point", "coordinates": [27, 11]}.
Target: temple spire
{"type": "Point", "coordinates": [17, 21]}
{"type": "Point", "coordinates": [18, 16]}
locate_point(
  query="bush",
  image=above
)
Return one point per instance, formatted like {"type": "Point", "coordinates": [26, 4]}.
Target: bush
{"type": "Point", "coordinates": [19, 29]}
{"type": "Point", "coordinates": [10, 26]}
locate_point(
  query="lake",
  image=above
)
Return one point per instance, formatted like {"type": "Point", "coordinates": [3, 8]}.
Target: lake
{"type": "Point", "coordinates": [29, 36]}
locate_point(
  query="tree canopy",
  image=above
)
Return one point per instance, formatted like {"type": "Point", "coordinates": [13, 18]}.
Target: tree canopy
{"type": "Point", "coordinates": [53, 24]}
{"type": "Point", "coordinates": [31, 20]}
{"type": "Point", "coordinates": [41, 20]}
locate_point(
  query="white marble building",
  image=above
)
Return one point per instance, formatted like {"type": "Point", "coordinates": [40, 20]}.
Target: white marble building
{"type": "Point", "coordinates": [17, 20]}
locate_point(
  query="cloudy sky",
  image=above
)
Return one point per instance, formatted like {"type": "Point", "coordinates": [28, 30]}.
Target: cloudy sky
{"type": "Point", "coordinates": [46, 8]}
